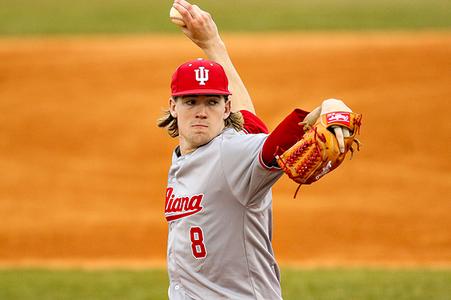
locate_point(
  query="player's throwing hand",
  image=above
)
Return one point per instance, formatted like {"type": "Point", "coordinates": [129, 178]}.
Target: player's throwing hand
{"type": "Point", "coordinates": [199, 25]}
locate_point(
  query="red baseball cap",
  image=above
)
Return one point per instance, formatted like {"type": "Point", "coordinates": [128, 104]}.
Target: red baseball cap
{"type": "Point", "coordinates": [199, 77]}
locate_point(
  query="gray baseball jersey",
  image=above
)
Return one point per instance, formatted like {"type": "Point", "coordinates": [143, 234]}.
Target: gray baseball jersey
{"type": "Point", "coordinates": [219, 209]}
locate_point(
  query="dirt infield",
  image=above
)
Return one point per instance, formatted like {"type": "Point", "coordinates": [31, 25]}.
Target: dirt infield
{"type": "Point", "coordinates": [84, 166]}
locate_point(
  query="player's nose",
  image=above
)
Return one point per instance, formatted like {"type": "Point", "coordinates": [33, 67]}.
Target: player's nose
{"type": "Point", "coordinates": [201, 111]}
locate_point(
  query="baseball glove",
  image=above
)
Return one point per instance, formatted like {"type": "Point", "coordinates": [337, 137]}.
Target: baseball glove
{"type": "Point", "coordinates": [318, 152]}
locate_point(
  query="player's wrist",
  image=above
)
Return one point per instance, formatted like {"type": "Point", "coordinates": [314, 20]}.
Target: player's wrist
{"type": "Point", "coordinates": [213, 48]}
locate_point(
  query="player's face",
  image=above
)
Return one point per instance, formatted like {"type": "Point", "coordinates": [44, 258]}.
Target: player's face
{"type": "Point", "coordinates": [200, 118]}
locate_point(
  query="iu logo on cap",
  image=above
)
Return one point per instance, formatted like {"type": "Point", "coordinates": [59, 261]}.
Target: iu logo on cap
{"type": "Point", "coordinates": [201, 75]}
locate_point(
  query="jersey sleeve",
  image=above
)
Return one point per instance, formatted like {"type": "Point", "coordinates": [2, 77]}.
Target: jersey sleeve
{"type": "Point", "coordinates": [252, 124]}
{"type": "Point", "coordinates": [286, 134]}
{"type": "Point", "coordinates": [249, 181]}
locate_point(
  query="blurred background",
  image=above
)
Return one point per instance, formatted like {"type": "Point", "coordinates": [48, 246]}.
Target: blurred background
{"type": "Point", "coordinates": [84, 166]}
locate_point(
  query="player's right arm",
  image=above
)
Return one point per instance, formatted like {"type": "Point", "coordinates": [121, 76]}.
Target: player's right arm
{"type": "Point", "coordinates": [202, 30]}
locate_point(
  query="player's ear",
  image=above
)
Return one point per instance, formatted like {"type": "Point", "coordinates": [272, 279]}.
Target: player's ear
{"type": "Point", "coordinates": [227, 109]}
{"type": "Point", "coordinates": [172, 111]}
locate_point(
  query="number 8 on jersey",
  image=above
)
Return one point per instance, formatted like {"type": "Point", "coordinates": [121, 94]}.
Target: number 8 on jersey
{"type": "Point", "coordinates": [197, 242]}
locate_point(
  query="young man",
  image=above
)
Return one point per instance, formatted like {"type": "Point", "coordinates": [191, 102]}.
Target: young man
{"type": "Point", "coordinates": [218, 197]}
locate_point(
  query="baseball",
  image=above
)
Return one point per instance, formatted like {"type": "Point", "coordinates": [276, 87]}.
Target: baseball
{"type": "Point", "coordinates": [176, 17]}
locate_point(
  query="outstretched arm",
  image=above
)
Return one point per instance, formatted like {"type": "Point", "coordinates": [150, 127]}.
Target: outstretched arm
{"type": "Point", "coordinates": [290, 130]}
{"type": "Point", "coordinates": [202, 30]}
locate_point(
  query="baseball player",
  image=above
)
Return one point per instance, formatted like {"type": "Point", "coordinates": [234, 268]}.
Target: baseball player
{"type": "Point", "coordinates": [218, 197]}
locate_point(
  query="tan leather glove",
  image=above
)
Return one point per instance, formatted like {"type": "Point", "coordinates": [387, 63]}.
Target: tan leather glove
{"type": "Point", "coordinates": [324, 144]}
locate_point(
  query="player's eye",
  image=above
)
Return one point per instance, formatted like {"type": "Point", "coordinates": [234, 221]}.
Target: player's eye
{"type": "Point", "coordinates": [213, 101]}
{"type": "Point", "coordinates": [190, 101]}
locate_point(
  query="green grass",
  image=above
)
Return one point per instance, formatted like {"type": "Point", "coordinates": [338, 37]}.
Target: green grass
{"type": "Point", "coordinates": [38, 17]}
{"type": "Point", "coordinates": [41, 284]}
{"type": "Point", "coordinates": [361, 284]}
{"type": "Point", "coordinates": [305, 284]}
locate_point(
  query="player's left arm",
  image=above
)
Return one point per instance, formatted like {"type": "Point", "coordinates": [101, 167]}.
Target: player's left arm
{"type": "Point", "coordinates": [290, 130]}
{"type": "Point", "coordinates": [202, 30]}
{"type": "Point", "coordinates": [285, 135]}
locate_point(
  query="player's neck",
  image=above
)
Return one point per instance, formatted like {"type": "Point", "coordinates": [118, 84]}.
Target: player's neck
{"type": "Point", "coordinates": [185, 147]}
{"type": "Point", "coordinates": [184, 151]}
